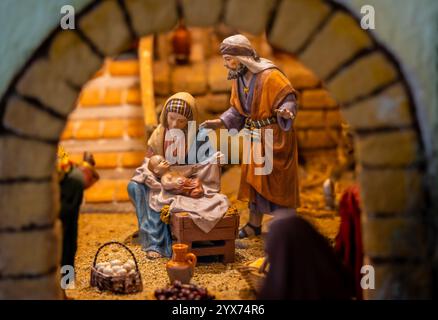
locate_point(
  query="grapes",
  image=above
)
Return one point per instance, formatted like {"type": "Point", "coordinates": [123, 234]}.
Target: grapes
{"type": "Point", "coordinates": [179, 291]}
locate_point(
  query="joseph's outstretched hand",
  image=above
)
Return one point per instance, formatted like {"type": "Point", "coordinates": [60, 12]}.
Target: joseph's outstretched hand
{"type": "Point", "coordinates": [211, 124]}
{"type": "Point", "coordinates": [284, 113]}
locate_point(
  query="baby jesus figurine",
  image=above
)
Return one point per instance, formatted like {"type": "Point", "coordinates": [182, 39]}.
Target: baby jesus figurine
{"type": "Point", "coordinates": [174, 182]}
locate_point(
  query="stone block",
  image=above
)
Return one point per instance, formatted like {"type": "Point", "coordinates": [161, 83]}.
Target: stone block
{"type": "Point", "coordinates": [24, 118]}
{"type": "Point", "coordinates": [201, 13]}
{"type": "Point", "coordinates": [152, 16]}
{"type": "Point", "coordinates": [400, 282]}
{"type": "Point", "coordinates": [318, 119]}
{"type": "Point", "coordinates": [393, 238]}
{"type": "Point", "coordinates": [388, 109]}
{"type": "Point", "coordinates": [23, 158]}
{"type": "Point", "coordinates": [190, 78]}
{"type": "Point", "coordinates": [41, 288]}
{"type": "Point", "coordinates": [67, 52]}
{"type": "Point", "coordinates": [299, 76]}
{"type": "Point", "coordinates": [340, 39]}
{"type": "Point", "coordinates": [317, 99]}
{"type": "Point", "coordinates": [248, 15]}
{"type": "Point", "coordinates": [391, 191]}
{"type": "Point", "coordinates": [362, 78]}
{"type": "Point", "coordinates": [105, 26]}
{"type": "Point", "coordinates": [28, 203]}
{"type": "Point", "coordinates": [45, 81]}
{"type": "Point", "coordinates": [30, 252]}
{"type": "Point", "coordinates": [318, 139]}
{"type": "Point", "coordinates": [296, 20]}
{"type": "Point", "coordinates": [388, 149]}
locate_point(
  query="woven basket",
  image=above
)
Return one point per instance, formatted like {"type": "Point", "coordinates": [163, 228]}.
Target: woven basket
{"type": "Point", "coordinates": [252, 276]}
{"type": "Point", "coordinates": [129, 283]}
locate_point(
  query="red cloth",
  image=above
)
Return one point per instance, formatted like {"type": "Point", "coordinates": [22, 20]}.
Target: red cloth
{"type": "Point", "coordinates": [349, 239]}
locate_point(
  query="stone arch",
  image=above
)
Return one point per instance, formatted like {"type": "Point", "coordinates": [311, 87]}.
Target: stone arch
{"type": "Point", "coordinates": [360, 72]}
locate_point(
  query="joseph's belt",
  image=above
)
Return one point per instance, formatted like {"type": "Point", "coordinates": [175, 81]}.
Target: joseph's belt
{"type": "Point", "coordinates": [257, 124]}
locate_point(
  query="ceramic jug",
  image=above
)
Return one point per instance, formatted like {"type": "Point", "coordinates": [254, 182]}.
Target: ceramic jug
{"type": "Point", "coordinates": [182, 264]}
{"type": "Point", "coordinates": [182, 43]}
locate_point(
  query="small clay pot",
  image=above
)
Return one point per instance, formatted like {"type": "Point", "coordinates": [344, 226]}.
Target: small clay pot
{"type": "Point", "coordinates": [182, 265]}
{"type": "Point", "coordinates": [182, 42]}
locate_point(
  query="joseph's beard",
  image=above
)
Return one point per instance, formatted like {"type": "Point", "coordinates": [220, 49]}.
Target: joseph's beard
{"type": "Point", "coordinates": [234, 74]}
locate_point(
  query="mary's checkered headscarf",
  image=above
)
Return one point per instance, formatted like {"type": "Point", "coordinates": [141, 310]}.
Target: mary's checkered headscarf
{"type": "Point", "coordinates": [181, 107]}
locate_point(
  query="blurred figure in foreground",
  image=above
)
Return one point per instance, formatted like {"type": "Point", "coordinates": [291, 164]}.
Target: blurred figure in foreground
{"type": "Point", "coordinates": [302, 264]}
{"type": "Point", "coordinates": [73, 180]}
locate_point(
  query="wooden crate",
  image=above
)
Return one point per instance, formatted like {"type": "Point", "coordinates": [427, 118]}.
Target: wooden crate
{"type": "Point", "coordinates": [223, 234]}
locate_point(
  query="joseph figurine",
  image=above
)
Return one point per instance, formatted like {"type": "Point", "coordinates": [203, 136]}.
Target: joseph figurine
{"type": "Point", "coordinates": [262, 98]}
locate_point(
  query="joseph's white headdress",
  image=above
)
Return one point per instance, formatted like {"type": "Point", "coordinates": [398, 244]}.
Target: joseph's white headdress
{"type": "Point", "coordinates": [240, 47]}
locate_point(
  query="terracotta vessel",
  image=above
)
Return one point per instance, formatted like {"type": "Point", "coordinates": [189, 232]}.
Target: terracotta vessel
{"type": "Point", "coordinates": [182, 265]}
{"type": "Point", "coordinates": [182, 43]}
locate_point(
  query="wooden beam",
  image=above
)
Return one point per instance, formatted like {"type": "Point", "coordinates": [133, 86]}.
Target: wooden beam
{"type": "Point", "coordinates": [145, 54]}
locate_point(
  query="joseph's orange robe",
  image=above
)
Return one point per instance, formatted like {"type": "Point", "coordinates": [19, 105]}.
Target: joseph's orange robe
{"type": "Point", "coordinates": [281, 185]}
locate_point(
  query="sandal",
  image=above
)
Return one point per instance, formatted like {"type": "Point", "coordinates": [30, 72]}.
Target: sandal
{"type": "Point", "coordinates": [152, 255]}
{"type": "Point", "coordinates": [244, 234]}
